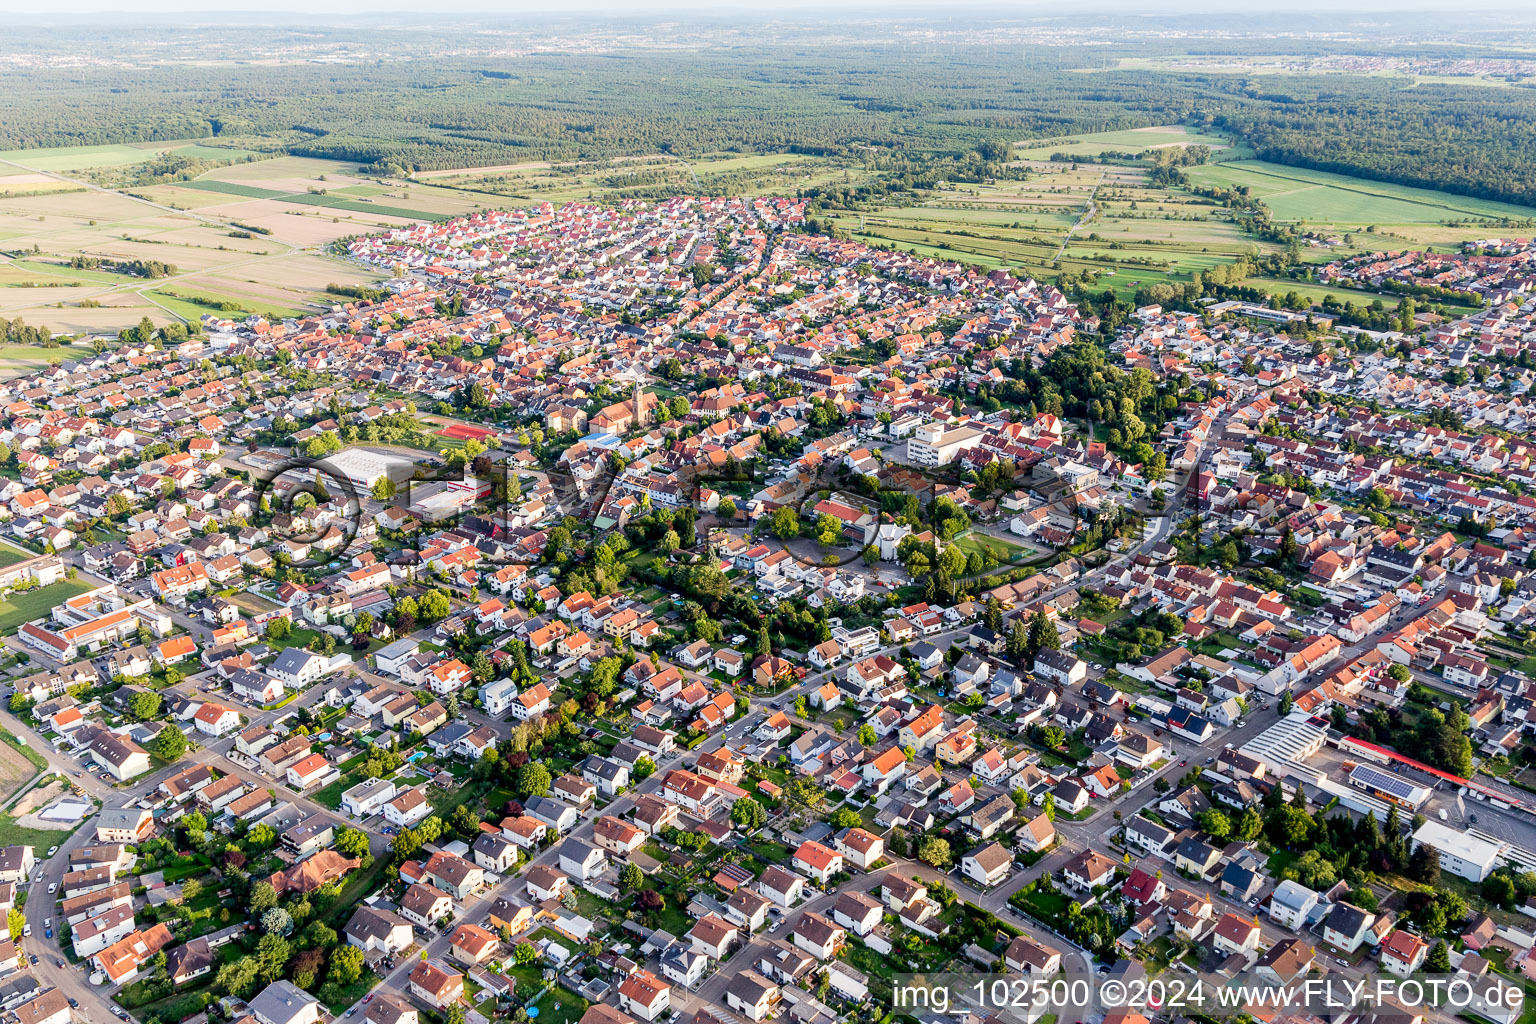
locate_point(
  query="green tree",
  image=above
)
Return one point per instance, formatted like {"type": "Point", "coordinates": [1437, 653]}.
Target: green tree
{"type": "Point", "coordinates": [1042, 634]}
{"type": "Point", "coordinates": [846, 817]}
{"type": "Point", "coordinates": [272, 953]}
{"type": "Point", "coordinates": [262, 897]}
{"type": "Point", "coordinates": [934, 851]}
{"type": "Point", "coordinates": [145, 706]}
{"type": "Point", "coordinates": [631, 877]}
{"type": "Point", "coordinates": [434, 605]}
{"type": "Point", "coordinates": [238, 977]}
{"type": "Point", "coordinates": [784, 523]}
{"type": "Point", "coordinates": [1216, 824]}
{"type": "Point", "coordinates": [747, 814]}
{"type": "Point", "coordinates": [533, 779]}
{"type": "Point", "coordinates": [170, 744]}
{"type": "Point", "coordinates": [351, 842]}
{"type": "Point", "coordinates": [867, 735]}
{"type": "Point", "coordinates": [1439, 960]}
{"type": "Point", "coordinates": [829, 530]}
{"type": "Point", "coordinates": [346, 964]}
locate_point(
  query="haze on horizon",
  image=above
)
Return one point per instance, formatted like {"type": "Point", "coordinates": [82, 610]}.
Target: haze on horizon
{"type": "Point", "coordinates": [856, 8]}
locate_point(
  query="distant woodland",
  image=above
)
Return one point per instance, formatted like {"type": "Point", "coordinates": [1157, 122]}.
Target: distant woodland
{"type": "Point", "coordinates": [894, 104]}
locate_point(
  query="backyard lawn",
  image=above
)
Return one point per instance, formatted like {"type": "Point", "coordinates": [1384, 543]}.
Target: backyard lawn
{"type": "Point", "coordinates": [561, 1006]}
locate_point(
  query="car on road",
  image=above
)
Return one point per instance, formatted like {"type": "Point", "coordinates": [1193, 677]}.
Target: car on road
{"type": "Point", "coordinates": [48, 933]}
{"type": "Point", "coordinates": [74, 1004]}
{"type": "Point", "coordinates": [57, 962]}
{"type": "Point", "coordinates": [367, 998]}
{"type": "Point", "coordinates": [53, 887]}
{"type": "Point", "coordinates": [351, 1010]}
{"type": "Point", "coordinates": [34, 960]}
{"type": "Point", "coordinates": [1184, 763]}
{"type": "Point", "coordinates": [1210, 760]}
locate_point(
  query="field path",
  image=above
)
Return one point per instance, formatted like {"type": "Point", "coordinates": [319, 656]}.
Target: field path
{"type": "Point", "coordinates": [1088, 211]}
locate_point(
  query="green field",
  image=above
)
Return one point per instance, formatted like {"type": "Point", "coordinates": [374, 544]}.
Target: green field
{"type": "Point", "coordinates": [1315, 292]}
{"type": "Point", "coordinates": [734, 174]}
{"type": "Point", "coordinates": [1130, 141]}
{"type": "Point", "coordinates": [1121, 226]}
{"type": "Point", "coordinates": [330, 202]}
{"type": "Point", "coordinates": [35, 604]}
{"type": "Point", "coordinates": [10, 555]}
{"type": "Point", "coordinates": [16, 359]}
{"type": "Point", "coordinates": [231, 188]}
{"type": "Point", "coordinates": [64, 159]}
{"type": "Point", "coordinates": [194, 304]}
{"type": "Point", "coordinates": [347, 201]}
{"type": "Point", "coordinates": [1297, 194]}
{"type": "Point", "coordinates": [1002, 550]}
{"type": "Point", "coordinates": [72, 273]}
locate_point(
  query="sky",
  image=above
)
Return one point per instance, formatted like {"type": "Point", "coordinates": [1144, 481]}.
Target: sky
{"type": "Point", "coordinates": [905, 8]}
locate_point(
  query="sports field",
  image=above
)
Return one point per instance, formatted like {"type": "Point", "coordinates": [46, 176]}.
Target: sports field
{"type": "Point", "coordinates": [35, 604]}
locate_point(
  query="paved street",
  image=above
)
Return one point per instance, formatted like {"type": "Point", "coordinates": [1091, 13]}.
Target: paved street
{"type": "Point", "coordinates": [1074, 836]}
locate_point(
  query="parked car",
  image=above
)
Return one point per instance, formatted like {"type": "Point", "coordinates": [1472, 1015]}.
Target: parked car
{"type": "Point", "coordinates": [53, 887]}
{"type": "Point", "coordinates": [52, 850]}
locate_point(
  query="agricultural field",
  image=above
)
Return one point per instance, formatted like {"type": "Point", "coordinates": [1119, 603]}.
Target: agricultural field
{"type": "Point", "coordinates": [290, 208]}
{"type": "Point", "coordinates": [202, 228]}
{"type": "Point", "coordinates": [1111, 218]}
{"type": "Point", "coordinates": [1104, 217]}
{"type": "Point", "coordinates": [1133, 140]}
{"type": "Point", "coordinates": [732, 174]}
{"type": "Point", "coordinates": [69, 159]}
{"type": "Point", "coordinates": [1322, 200]}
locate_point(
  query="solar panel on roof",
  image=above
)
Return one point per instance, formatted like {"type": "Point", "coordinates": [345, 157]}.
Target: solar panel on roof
{"type": "Point", "coordinates": [1384, 782]}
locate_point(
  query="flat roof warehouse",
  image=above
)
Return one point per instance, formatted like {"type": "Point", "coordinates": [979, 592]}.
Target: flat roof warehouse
{"type": "Point", "coordinates": [363, 468]}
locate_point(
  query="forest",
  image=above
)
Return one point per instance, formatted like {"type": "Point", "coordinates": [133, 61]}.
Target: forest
{"type": "Point", "coordinates": [967, 103]}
